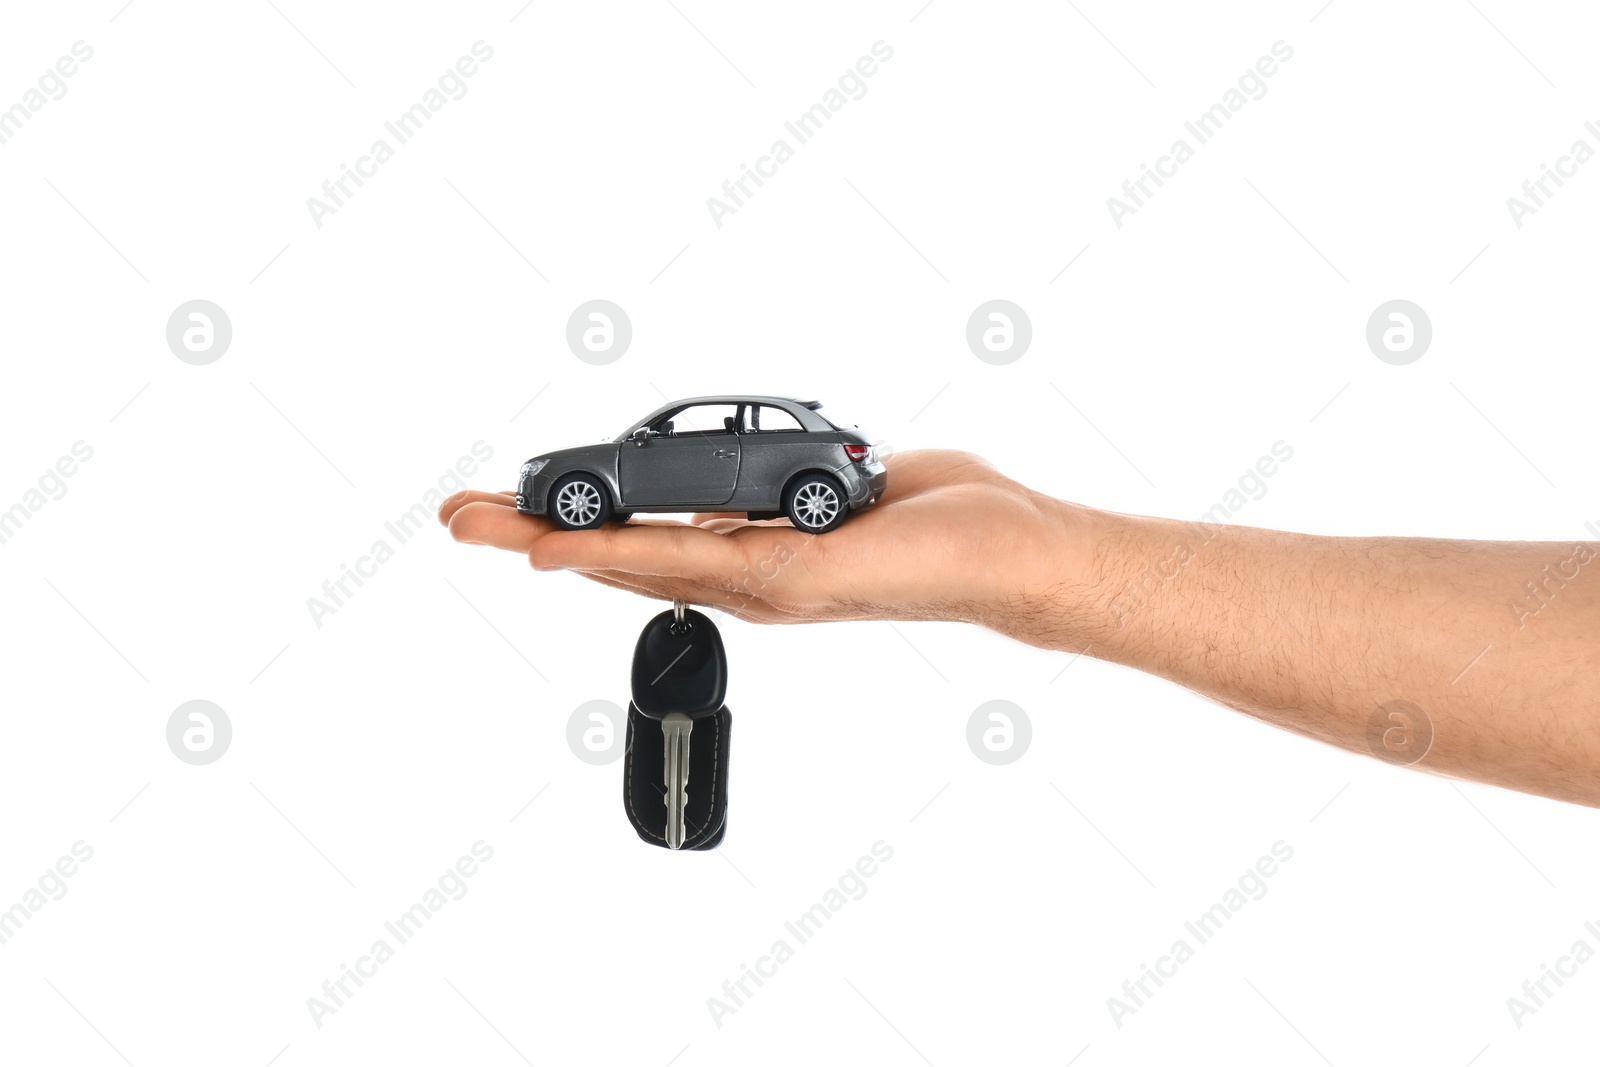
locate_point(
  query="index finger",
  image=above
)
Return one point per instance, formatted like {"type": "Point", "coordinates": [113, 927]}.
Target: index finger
{"type": "Point", "coordinates": [643, 549]}
{"type": "Point", "coordinates": [675, 551]}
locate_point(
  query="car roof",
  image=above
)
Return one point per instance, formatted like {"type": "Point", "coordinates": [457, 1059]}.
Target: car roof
{"type": "Point", "coordinates": [746, 398]}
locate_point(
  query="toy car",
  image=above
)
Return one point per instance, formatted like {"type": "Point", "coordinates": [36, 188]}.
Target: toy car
{"type": "Point", "coordinates": [767, 456]}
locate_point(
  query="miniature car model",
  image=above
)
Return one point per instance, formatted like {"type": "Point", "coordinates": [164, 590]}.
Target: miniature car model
{"type": "Point", "coordinates": [767, 456]}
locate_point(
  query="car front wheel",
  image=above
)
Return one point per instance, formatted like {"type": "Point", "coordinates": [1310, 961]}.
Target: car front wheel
{"type": "Point", "coordinates": [579, 502]}
{"type": "Point", "coordinates": [815, 503]}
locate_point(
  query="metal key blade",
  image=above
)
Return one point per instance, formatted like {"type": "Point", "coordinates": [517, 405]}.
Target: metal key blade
{"type": "Point", "coordinates": [675, 730]}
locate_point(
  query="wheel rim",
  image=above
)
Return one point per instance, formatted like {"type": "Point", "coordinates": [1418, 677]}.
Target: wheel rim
{"type": "Point", "coordinates": [816, 504]}
{"type": "Point", "coordinates": [578, 503]}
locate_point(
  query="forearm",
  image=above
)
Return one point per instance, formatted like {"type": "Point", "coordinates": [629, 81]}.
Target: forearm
{"type": "Point", "coordinates": [1323, 635]}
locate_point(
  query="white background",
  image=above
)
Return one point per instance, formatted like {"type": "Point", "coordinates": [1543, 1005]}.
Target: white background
{"type": "Point", "coordinates": [370, 353]}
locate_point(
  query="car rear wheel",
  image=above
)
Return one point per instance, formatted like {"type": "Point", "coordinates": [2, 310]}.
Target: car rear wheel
{"type": "Point", "coordinates": [815, 503]}
{"type": "Point", "coordinates": [579, 502]}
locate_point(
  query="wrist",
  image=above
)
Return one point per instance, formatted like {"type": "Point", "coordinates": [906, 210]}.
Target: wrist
{"type": "Point", "coordinates": [1064, 583]}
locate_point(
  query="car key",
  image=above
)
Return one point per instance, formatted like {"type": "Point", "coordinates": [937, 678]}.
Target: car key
{"type": "Point", "coordinates": [679, 678]}
{"type": "Point", "coordinates": [675, 731]}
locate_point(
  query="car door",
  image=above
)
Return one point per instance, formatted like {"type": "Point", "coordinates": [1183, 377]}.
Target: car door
{"type": "Point", "coordinates": [691, 461]}
{"type": "Point", "coordinates": [775, 446]}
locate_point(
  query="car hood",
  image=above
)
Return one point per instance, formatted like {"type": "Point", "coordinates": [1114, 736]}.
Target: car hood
{"type": "Point", "coordinates": [579, 452]}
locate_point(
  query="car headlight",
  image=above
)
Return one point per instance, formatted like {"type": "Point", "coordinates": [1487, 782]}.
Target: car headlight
{"type": "Point", "coordinates": [533, 466]}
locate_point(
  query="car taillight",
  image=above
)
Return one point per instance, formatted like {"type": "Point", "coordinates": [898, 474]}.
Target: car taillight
{"type": "Point", "coordinates": [858, 453]}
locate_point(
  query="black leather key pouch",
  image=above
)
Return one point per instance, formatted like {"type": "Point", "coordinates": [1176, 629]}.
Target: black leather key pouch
{"type": "Point", "coordinates": [644, 789]}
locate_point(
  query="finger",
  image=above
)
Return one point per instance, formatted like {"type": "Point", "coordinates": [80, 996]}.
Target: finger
{"type": "Point", "coordinates": [604, 578]}
{"type": "Point", "coordinates": [913, 472]}
{"type": "Point", "coordinates": [724, 522]}
{"type": "Point", "coordinates": [483, 522]}
{"type": "Point", "coordinates": [669, 588]}
{"type": "Point", "coordinates": [700, 518]}
{"type": "Point", "coordinates": [726, 525]}
{"type": "Point", "coordinates": [456, 501]}
{"type": "Point", "coordinates": [637, 521]}
{"type": "Point", "coordinates": [639, 548]}
{"type": "Point", "coordinates": [738, 605]}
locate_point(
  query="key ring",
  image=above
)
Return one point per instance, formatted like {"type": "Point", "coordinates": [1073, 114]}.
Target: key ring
{"type": "Point", "coordinates": [679, 623]}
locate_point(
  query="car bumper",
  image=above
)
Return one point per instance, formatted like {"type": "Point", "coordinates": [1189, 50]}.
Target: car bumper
{"type": "Point", "coordinates": [533, 493]}
{"type": "Point", "coordinates": [864, 483]}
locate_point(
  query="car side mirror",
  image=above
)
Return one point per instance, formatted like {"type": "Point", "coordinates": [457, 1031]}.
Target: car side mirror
{"type": "Point", "coordinates": [641, 435]}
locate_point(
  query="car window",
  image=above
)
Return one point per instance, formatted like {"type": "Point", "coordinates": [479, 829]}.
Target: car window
{"type": "Point", "coordinates": [703, 419]}
{"type": "Point", "coordinates": [776, 420]}
{"type": "Point", "coordinates": [833, 420]}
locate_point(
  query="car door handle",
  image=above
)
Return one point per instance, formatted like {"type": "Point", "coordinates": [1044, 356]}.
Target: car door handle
{"type": "Point", "coordinates": [725, 453]}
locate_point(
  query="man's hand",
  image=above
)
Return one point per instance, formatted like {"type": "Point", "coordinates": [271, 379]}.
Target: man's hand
{"type": "Point", "coordinates": [1482, 656]}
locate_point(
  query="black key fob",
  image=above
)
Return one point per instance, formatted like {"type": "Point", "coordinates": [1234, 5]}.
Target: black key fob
{"type": "Point", "coordinates": [679, 665]}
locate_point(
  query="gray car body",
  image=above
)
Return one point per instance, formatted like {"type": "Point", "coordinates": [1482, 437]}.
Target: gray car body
{"type": "Point", "coordinates": [711, 470]}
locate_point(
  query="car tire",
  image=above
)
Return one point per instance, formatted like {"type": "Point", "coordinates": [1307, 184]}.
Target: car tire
{"type": "Point", "coordinates": [580, 502]}
{"type": "Point", "coordinates": [815, 502]}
